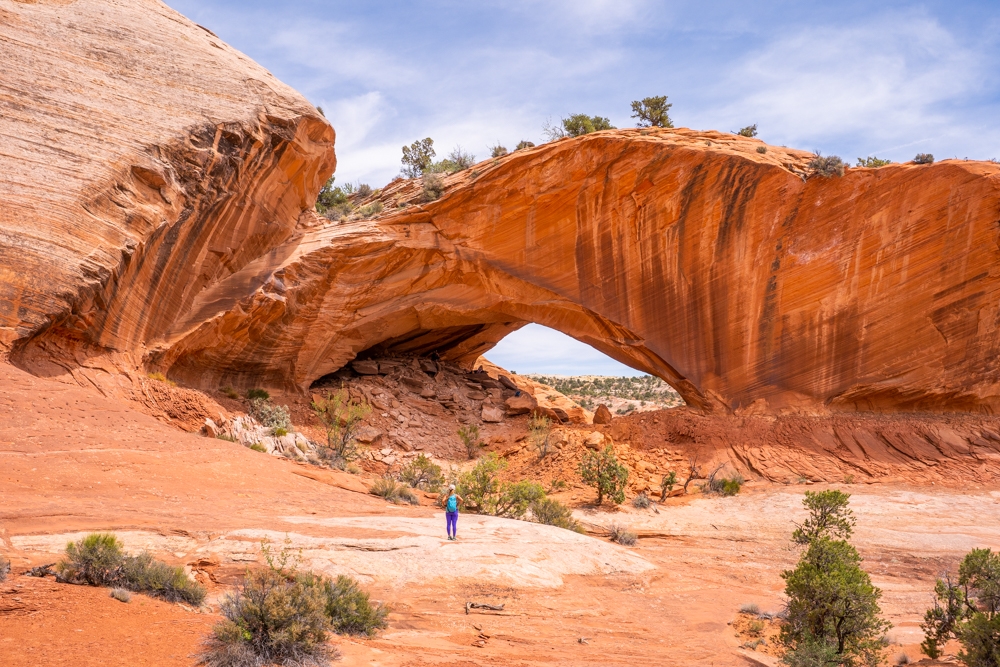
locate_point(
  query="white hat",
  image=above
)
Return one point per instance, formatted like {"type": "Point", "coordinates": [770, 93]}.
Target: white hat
{"type": "Point", "coordinates": [451, 487]}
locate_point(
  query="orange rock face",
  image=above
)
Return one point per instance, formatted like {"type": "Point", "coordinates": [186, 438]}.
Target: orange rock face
{"type": "Point", "coordinates": [132, 225]}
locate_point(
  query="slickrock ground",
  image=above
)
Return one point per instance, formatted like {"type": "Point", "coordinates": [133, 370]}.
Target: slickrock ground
{"type": "Point", "coordinates": [73, 461]}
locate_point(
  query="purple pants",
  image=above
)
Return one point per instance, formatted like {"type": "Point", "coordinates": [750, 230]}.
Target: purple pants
{"type": "Point", "coordinates": [452, 521]}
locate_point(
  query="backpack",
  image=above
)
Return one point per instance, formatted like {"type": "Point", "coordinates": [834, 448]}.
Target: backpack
{"type": "Point", "coordinates": [452, 505]}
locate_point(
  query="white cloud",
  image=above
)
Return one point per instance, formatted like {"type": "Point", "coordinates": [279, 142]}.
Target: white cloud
{"type": "Point", "coordinates": [895, 83]}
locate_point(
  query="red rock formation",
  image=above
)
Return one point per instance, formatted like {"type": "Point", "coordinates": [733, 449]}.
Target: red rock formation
{"type": "Point", "coordinates": [725, 271]}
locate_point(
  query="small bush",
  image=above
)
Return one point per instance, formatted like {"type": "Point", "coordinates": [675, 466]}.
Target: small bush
{"type": "Point", "coordinates": [748, 131]}
{"type": "Point", "coordinates": [422, 473]}
{"type": "Point", "coordinates": [579, 124]}
{"type": "Point", "coordinates": [553, 513]}
{"type": "Point", "coordinates": [418, 157]}
{"type": "Point", "coordinates": [827, 167]}
{"type": "Point", "coordinates": [667, 485]}
{"type": "Point", "coordinates": [230, 392]}
{"type": "Point", "coordinates": [433, 188]}
{"type": "Point", "coordinates": [622, 535]}
{"type": "Point", "coordinates": [4, 568]}
{"type": "Point", "coordinates": [641, 501]}
{"type": "Point", "coordinates": [750, 608]}
{"type": "Point", "coordinates": [539, 433]}
{"type": "Point", "coordinates": [226, 437]}
{"type": "Point", "coordinates": [121, 594]}
{"type": "Point", "coordinates": [279, 431]}
{"type": "Point", "coordinates": [348, 608]}
{"type": "Point", "coordinates": [923, 158]}
{"type": "Point", "coordinates": [258, 447]}
{"type": "Point", "coordinates": [160, 377]}
{"type": "Point", "coordinates": [95, 560]}
{"type": "Point", "coordinates": [461, 159]}
{"type": "Point", "coordinates": [270, 415]}
{"type": "Point", "coordinates": [515, 498]}
{"type": "Point", "coordinates": [257, 394]}
{"type": "Point", "coordinates": [873, 162]}
{"type": "Point", "coordinates": [726, 486]}
{"type": "Point", "coordinates": [762, 149]}
{"type": "Point", "coordinates": [99, 560]}
{"type": "Point", "coordinates": [651, 112]}
{"type": "Point", "coordinates": [524, 145]}
{"type": "Point", "coordinates": [902, 659]}
{"type": "Point", "coordinates": [371, 210]}
{"type": "Point", "coordinates": [387, 488]}
{"type": "Point", "coordinates": [498, 150]}
{"type": "Point", "coordinates": [271, 619]}
{"type": "Point", "coordinates": [362, 191]}
{"type": "Point", "coordinates": [602, 471]}
{"type": "Point", "coordinates": [469, 435]}
{"type": "Point", "coordinates": [756, 628]}
{"type": "Point", "coordinates": [340, 418]}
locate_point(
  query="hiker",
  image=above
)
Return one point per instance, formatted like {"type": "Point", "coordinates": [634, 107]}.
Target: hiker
{"type": "Point", "coordinates": [451, 512]}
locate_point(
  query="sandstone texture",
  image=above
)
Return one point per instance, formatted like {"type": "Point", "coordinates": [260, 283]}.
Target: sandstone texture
{"type": "Point", "coordinates": [143, 159]}
{"type": "Point", "coordinates": [157, 214]}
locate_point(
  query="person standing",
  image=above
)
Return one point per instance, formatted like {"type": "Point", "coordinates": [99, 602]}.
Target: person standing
{"type": "Point", "coordinates": [451, 512]}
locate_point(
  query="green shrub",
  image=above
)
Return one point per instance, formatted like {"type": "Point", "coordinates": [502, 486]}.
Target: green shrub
{"type": "Point", "coordinates": [258, 447]}
{"type": "Point", "coordinates": [4, 568]}
{"type": "Point", "coordinates": [827, 167]}
{"type": "Point", "coordinates": [832, 613]}
{"type": "Point", "coordinates": [524, 145]}
{"type": "Point", "coordinates": [469, 435]}
{"type": "Point", "coordinates": [271, 619]}
{"type": "Point", "coordinates": [121, 594]}
{"type": "Point", "coordinates": [418, 157]}
{"type": "Point", "coordinates": [226, 437]}
{"type": "Point", "coordinates": [667, 485]}
{"type": "Point", "coordinates": [230, 392]}
{"type": "Point", "coordinates": [99, 560]}
{"type": "Point", "coordinates": [143, 574]}
{"type": "Point", "coordinates": [279, 432]}
{"type": "Point", "coordinates": [923, 158]}
{"type": "Point", "coordinates": [160, 377]}
{"type": "Point", "coordinates": [602, 471]}
{"type": "Point", "coordinates": [498, 150]}
{"type": "Point", "coordinates": [539, 433]}
{"type": "Point", "coordinates": [386, 487]}
{"type": "Point", "coordinates": [433, 187]}
{"type": "Point", "coordinates": [622, 535]}
{"type": "Point", "coordinates": [330, 197]}
{"type": "Point", "coordinates": [422, 473]}
{"type": "Point", "coordinates": [873, 162]}
{"type": "Point", "coordinates": [762, 149]}
{"type": "Point", "coordinates": [514, 499]}
{"type": "Point", "coordinates": [756, 628]}
{"type": "Point", "coordinates": [270, 415]}
{"type": "Point", "coordinates": [553, 513]}
{"type": "Point", "coordinates": [829, 516]}
{"type": "Point", "coordinates": [577, 125]}
{"type": "Point", "coordinates": [371, 210]}
{"type": "Point", "coordinates": [652, 112]}
{"type": "Point", "coordinates": [362, 191]}
{"type": "Point", "coordinates": [748, 131]}
{"type": "Point", "coordinates": [967, 610]}
{"type": "Point", "coordinates": [340, 417]}
{"type": "Point", "coordinates": [95, 560]}
{"type": "Point", "coordinates": [257, 394]}
{"type": "Point", "coordinates": [726, 486]}
{"type": "Point", "coordinates": [348, 608]}
{"type": "Point", "coordinates": [480, 486]}
{"type": "Point", "coordinates": [641, 501]}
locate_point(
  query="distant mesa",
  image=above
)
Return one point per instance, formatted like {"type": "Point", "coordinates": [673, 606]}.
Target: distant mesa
{"type": "Point", "coordinates": [163, 217]}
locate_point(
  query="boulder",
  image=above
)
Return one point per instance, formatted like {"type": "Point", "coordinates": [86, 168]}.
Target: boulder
{"type": "Point", "coordinates": [365, 367]}
{"type": "Point", "coordinates": [476, 395]}
{"type": "Point", "coordinates": [594, 441]}
{"type": "Point", "coordinates": [413, 384]}
{"type": "Point", "coordinates": [548, 413]}
{"type": "Point", "coordinates": [429, 366]}
{"type": "Point", "coordinates": [507, 382]}
{"type": "Point", "coordinates": [520, 405]}
{"type": "Point", "coordinates": [561, 414]}
{"type": "Point", "coordinates": [210, 429]}
{"type": "Point", "coordinates": [492, 414]}
{"type": "Point", "coordinates": [602, 415]}
{"type": "Point", "coordinates": [368, 435]}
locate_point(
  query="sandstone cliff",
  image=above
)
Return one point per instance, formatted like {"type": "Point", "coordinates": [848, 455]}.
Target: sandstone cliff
{"type": "Point", "coordinates": [158, 203]}
{"type": "Point", "coordinates": [143, 159]}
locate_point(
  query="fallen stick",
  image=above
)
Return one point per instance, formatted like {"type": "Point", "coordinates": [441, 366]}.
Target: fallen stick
{"type": "Point", "coordinates": [476, 605]}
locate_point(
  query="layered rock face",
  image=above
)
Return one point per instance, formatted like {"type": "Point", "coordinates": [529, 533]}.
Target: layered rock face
{"type": "Point", "coordinates": [143, 159]}
{"type": "Point", "coordinates": [156, 205]}
{"type": "Point", "coordinates": [689, 255]}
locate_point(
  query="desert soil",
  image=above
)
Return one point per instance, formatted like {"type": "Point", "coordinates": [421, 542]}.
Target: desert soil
{"type": "Point", "coordinates": [73, 462]}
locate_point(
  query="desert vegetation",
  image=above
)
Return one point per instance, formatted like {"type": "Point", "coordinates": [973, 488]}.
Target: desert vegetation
{"type": "Point", "coordinates": [748, 131]}
{"type": "Point", "coordinates": [99, 559]}
{"type": "Point", "coordinates": [589, 391]}
{"type": "Point", "coordinates": [576, 125]}
{"type": "Point", "coordinates": [923, 158]}
{"type": "Point", "coordinates": [4, 567]}
{"type": "Point", "coordinates": [422, 473]}
{"type": "Point", "coordinates": [282, 616]}
{"type": "Point", "coordinates": [622, 534]}
{"type": "Point", "coordinates": [469, 435]}
{"type": "Point", "coordinates": [340, 417]}
{"type": "Point", "coordinates": [652, 112]}
{"type": "Point", "coordinates": [832, 615]}
{"type": "Point", "coordinates": [393, 491]}
{"type": "Point", "coordinates": [828, 166]}
{"type": "Point", "coordinates": [967, 608]}
{"type": "Point", "coordinates": [603, 471]}
{"type": "Point", "coordinates": [539, 434]}
{"type": "Point", "coordinates": [873, 162]}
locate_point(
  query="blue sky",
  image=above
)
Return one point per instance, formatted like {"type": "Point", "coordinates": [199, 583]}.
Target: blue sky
{"type": "Point", "coordinates": [847, 78]}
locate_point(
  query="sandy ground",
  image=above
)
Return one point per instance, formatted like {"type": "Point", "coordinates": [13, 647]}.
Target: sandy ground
{"type": "Point", "coordinates": [71, 462]}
